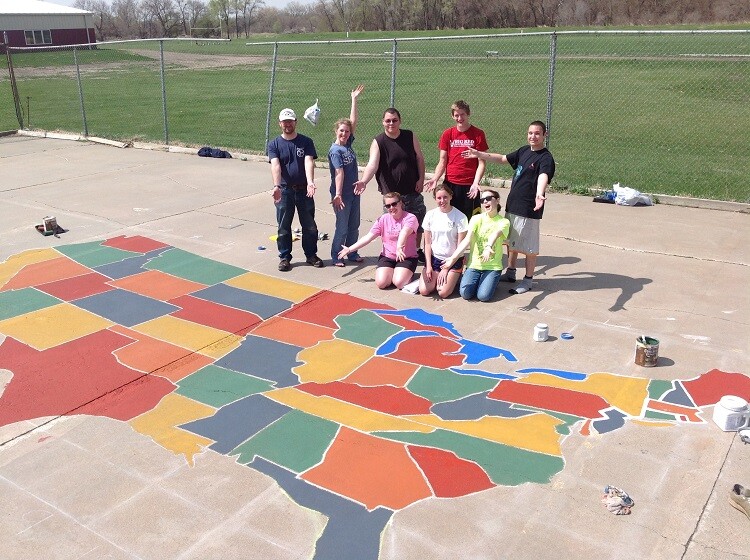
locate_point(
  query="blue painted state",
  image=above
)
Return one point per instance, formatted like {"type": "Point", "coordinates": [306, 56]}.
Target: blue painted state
{"type": "Point", "coordinates": [679, 396]}
{"type": "Point", "coordinates": [351, 532]}
{"type": "Point", "coordinates": [572, 375]}
{"type": "Point", "coordinates": [615, 420]}
{"type": "Point", "coordinates": [237, 422]}
{"type": "Point", "coordinates": [483, 373]}
{"type": "Point", "coordinates": [126, 308]}
{"type": "Point", "coordinates": [476, 352]}
{"type": "Point", "coordinates": [129, 267]}
{"type": "Point", "coordinates": [422, 317]}
{"type": "Point", "coordinates": [475, 407]}
{"type": "Point", "coordinates": [268, 359]}
{"type": "Point", "coordinates": [262, 305]}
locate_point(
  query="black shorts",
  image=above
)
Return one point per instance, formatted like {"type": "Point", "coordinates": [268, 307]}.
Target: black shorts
{"type": "Point", "coordinates": [408, 262]}
{"type": "Point", "coordinates": [437, 264]}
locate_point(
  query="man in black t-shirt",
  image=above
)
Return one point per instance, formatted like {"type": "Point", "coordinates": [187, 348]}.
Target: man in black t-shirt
{"type": "Point", "coordinates": [535, 167]}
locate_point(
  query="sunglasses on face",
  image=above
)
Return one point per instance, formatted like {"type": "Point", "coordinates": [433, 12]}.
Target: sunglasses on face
{"type": "Point", "coordinates": [391, 205]}
{"type": "Point", "coordinates": [390, 121]}
{"type": "Point", "coordinates": [487, 199]}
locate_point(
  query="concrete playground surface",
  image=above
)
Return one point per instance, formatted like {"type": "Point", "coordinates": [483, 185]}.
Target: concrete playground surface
{"type": "Point", "coordinates": [165, 392]}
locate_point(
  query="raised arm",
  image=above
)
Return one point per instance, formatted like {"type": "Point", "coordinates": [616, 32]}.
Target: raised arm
{"type": "Point", "coordinates": [353, 114]}
{"type": "Point", "coordinates": [484, 156]}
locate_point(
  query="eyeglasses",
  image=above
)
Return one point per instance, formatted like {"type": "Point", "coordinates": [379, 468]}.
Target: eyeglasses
{"type": "Point", "coordinates": [390, 121]}
{"type": "Point", "coordinates": [391, 205]}
{"type": "Point", "coordinates": [487, 198]}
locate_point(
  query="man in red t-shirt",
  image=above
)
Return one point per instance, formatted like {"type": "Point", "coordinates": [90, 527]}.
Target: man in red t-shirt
{"type": "Point", "coordinates": [462, 175]}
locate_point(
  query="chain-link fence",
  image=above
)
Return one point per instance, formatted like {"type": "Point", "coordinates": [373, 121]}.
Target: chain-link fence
{"type": "Point", "coordinates": [662, 111]}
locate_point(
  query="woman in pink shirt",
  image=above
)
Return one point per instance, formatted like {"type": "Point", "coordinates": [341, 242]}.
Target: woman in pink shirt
{"type": "Point", "coordinates": [397, 228]}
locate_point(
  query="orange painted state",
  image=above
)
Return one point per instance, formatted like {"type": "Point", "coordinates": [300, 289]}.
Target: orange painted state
{"type": "Point", "coordinates": [690, 413]}
{"type": "Point", "coordinates": [576, 403]}
{"type": "Point", "coordinates": [211, 314]}
{"type": "Point", "coordinates": [382, 371]}
{"type": "Point", "coordinates": [158, 285]}
{"type": "Point", "coordinates": [135, 243]}
{"type": "Point", "coordinates": [45, 271]}
{"type": "Point", "coordinates": [372, 471]}
{"type": "Point", "coordinates": [293, 332]}
{"type": "Point", "coordinates": [324, 307]}
{"type": "Point", "coordinates": [157, 357]}
{"type": "Point", "coordinates": [449, 476]}
{"type": "Point", "coordinates": [390, 400]}
{"type": "Point", "coordinates": [431, 351]}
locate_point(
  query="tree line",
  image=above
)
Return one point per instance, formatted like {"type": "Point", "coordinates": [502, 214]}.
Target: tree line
{"type": "Point", "coordinates": [131, 19]}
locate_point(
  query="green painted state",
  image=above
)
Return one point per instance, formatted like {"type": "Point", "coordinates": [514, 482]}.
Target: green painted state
{"type": "Point", "coordinates": [94, 254]}
{"type": "Point", "coordinates": [568, 419]}
{"type": "Point", "coordinates": [366, 328]}
{"type": "Point", "coordinates": [441, 385]}
{"type": "Point", "coordinates": [658, 387]}
{"type": "Point", "coordinates": [217, 386]}
{"type": "Point", "coordinates": [505, 465]}
{"type": "Point", "coordinates": [296, 441]}
{"type": "Point", "coordinates": [659, 416]}
{"type": "Point", "coordinates": [25, 300]}
{"type": "Point", "coordinates": [192, 267]}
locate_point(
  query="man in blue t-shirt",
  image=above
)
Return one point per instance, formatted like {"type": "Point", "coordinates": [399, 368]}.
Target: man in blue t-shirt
{"type": "Point", "coordinates": [292, 158]}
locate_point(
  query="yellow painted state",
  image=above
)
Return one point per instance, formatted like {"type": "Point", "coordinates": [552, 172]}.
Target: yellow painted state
{"type": "Point", "coordinates": [346, 414]}
{"type": "Point", "coordinates": [270, 286]}
{"type": "Point", "coordinates": [52, 326]}
{"type": "Point", "coordinates": [653, 424]}
{"type": "Point", "coordinates": [208, 341]}
{"type": "Point", "coordinates": [160, 424]}
{"type": "Point", "coordinates": [331, 360]}
{"type": "Point", "coordinates": [625, 393]}
{"type": "Point", "coordinates": [535, 432]}
{"type": "Point", "coordinates": [16, 263]}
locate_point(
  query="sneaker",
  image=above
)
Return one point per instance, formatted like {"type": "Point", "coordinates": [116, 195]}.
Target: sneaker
{"type": "Point", "coordinates": [739, 497]}
{"type": "Point", "coordinates": [285, 265]}
{"type": "Point", "coordinates": [420, 256]}
{"type": "Point", "coordinates": [315, 261]}
{"type": "Point", "coordinates": [509, 275]}
{"type": "Point", "coordinates": [523, 287]}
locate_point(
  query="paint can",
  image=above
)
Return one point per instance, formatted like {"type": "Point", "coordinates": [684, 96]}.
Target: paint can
{"type": "Point", "coordinates": [731, 413]}
{"type": "Point", "coordinates": [541, 332]}
{"type": "Point", "coordinates": [646, 351]}
{"type": "Point", "coordinates": [50, 225]}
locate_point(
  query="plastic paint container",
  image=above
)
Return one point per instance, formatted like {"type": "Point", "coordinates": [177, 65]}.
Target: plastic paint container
{"type": "Point", "coordinates": [732, 413]}
{"type": "Point", "coordinates": [646, 351]}
{"type": "Point", "coordinates": [541, 332]}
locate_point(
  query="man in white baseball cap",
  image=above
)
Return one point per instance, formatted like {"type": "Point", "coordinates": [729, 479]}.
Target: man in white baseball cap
{"type": "Point", "coordinates": [292, 158]}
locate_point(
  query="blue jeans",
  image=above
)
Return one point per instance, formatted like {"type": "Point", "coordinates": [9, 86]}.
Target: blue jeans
{"type": "Point", "coordinates": [479, 283]}
{"type": "Point", "coordinates": [347, 228]}
{"type": "Point", "coordinates": [291, 199]}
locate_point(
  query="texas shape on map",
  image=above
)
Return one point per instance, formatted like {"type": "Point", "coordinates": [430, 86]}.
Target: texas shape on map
{"type": "Point", "coordinates": [332, 396]}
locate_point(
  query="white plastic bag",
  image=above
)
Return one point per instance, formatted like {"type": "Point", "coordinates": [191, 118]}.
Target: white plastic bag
{"type": "Point", "coordinates": [627, 196]}
{"type": "Point", "coordinates": [312, 113]}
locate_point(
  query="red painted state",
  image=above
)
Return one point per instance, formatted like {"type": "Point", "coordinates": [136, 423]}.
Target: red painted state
{"type": "Point", "coordinates": [430, 351]}
{"type": "Point", "coordinates": [71, 289]}
{"type": "Point", "coordinates": [65, 378]}
{"type": "Point", "coordinates": [324, 307]}
{"type": "Point", "coordinates": [390, 400]}
{"type": "Point", "coordinates": [576, 403]}
{"type": "Point", "coordinates": [707, 389]}
{"type": "Point", "coordinates": [135, 243]}
{"type": "Point", "coordinates": [449, 476]}
{"type": "Point", "coordinates": [411, 325]}
{"type": "Point", "coordinates": [215, 315]}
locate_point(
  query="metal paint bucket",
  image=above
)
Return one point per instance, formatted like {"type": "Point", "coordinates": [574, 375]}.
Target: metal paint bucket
{"type": "Point", "coordinates": [646, 351]}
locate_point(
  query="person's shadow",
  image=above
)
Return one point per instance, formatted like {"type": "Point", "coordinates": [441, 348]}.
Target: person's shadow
{"type": "Point", "coordinates": [587, 281]}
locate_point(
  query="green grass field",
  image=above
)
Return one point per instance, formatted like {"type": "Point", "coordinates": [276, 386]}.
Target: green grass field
{"type": "Point", "coordinates": [663, 114]}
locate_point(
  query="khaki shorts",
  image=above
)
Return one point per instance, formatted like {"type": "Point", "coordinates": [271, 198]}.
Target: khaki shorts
{"type": "Point", "coordinates": [524, 234]}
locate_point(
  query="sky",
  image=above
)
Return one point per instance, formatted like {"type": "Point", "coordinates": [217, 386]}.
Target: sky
{"type": "Point", "coordinates": [269, 3]}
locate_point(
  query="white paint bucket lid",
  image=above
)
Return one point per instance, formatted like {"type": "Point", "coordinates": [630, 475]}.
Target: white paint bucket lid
{"type": "Point", "coordinates": [733, 403]}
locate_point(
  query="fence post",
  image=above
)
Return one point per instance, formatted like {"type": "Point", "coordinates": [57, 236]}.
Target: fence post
{"type": "Point", "coordinates": [551, 81]}
{"type": "Point", "coordinates": [394, 57]}
{"type": "Point", "coordinates": [80, 94]}
{"type": "Point", "coordinates": [270, 92]}
{"type": "Point", "coordinates": [163, 94]}
{"type": "Point", "coordinates": [13, 85]}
